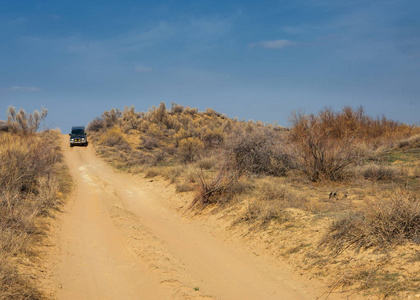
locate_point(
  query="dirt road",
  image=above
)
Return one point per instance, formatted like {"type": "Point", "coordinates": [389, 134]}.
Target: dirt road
{"type": "Point", "coordinates": [120, 238]}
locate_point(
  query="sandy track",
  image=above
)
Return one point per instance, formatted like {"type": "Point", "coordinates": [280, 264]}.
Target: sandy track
{"type": "Point", "coordinates": [120, 239]}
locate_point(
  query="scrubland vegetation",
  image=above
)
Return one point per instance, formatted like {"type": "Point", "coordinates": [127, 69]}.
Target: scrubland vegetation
{"type": "Point", "coordinates": [33, 179]}
{"type": "Point", "coordinates": [338, 190]}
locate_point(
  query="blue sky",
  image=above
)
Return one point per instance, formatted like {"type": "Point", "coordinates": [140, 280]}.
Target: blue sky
{"type": "Point", "coordinates": [256, 60]}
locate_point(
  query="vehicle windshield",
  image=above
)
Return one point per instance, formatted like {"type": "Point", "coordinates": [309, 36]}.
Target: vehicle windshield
{"type": "Point", "coordinates": [78, 131]}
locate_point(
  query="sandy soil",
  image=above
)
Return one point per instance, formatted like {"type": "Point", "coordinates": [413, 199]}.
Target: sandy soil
{"type": "Point", "coordinates": [122, 237]}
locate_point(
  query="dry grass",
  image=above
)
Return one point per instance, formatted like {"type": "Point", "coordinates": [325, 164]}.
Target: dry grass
{"type": "Point", "coordinates": [382, 172]}
{"type": "Point", "coordinates": [413, 141]}
{"type": "Point", "coordinates": [32, 181]}
{"type": "Point", "coordinates": [380, 224]}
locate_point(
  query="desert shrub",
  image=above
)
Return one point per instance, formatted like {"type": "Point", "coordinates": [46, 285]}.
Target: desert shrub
{"type": "Point", "coordinates": [158, 156]}
{"type": "Point", "coordinates": [174, 174]}
{"type": "Point", "coordinates": [130, 119]}
{"type": "Point", "coordinates": [111, 118]}
{"type": "Point", "coordinates": [21, 122]}
{"type": "Point", "coordinates": [271, 189]}
{"type": "Point", "coordinates": [152, 172]}
{"type": "Point", "coordinates": [413, 141]}
{"type": "Point", "coordinates": [317, 153]}
{"type": "Point", "coordinates": [382, 223]}
{"type": "Point", "coordinates": [211, 190]}
{"type": "Point", "coordinates": [183, 187]}
{"type": "Point", "coordinates": [213, 138]}
{"type": "Point", "coordinates": [158, 114]}
{"type": "Point", "coordinates": [212, 112]}
{"type": "Point", "coordinates": [190, 149]}
{"type": "Point", "coordinates": [4, 126]}
{"type": "Point", "coordinates": [176, 108]}
{"type": "Point", "coordinates": [155, 130]}
{"type": "Point", "coordinates": [149, 142]}
{"type": "Point", "coordinates": [96, 125]}
{"type": "Point", "coordinates": [207, 163]}
{"type": "Point", "coordinates": [259, 152]}
{"type": "Point", "coordinates": [191, 111]}
{"type": "Point", "coordinates": [381, 172]}
{"type": "Point", "coordinates": [114, 137]}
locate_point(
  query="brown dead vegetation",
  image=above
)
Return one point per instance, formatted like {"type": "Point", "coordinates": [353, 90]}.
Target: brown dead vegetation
{"type": "Point", "coordinates": [340, 169]}
{"type": "Point", "coordinates": [33, 179]}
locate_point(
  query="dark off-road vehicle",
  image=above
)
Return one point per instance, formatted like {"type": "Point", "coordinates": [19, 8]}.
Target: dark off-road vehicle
{"type": "Point", "coordinates": [78, 136]}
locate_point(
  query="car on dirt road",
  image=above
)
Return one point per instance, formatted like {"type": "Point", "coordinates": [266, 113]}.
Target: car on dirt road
{"type": "Point", "coordinates": [78, 136]}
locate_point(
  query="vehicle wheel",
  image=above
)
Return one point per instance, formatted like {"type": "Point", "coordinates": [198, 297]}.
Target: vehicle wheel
{"type": "Point", "coordinates": [71, 145]}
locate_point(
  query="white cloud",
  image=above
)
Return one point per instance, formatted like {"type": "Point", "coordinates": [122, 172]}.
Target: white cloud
{"type": "Point", "coordinates": [274, 44]}
{"type": "Point", "coordinates": [22, 89]}
{"type": "Point", "coordinates": [141, 69]}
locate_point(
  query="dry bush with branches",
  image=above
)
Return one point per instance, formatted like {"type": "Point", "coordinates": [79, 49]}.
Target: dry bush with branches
{"type": "Point", "coordinates": [111, 118]}
{"type": "Point", "coordinates": [23, 123]}
{"type": "Point", "coordinates": [381, 172]}
{"type": "Point", "coordinates": [259, 151]}
{"type": "Point", "coordinates": [318, 153]}
{"type": "Point", "coordinates": [382, 223]}
{"type": "Point", "coordinates": [96, 125]}
{"type": "Point", "coordinates": [211, 190]}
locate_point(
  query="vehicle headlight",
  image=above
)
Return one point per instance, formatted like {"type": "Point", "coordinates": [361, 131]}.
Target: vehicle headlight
{"type": "Point", "coordinates": [72, 139]}
{"type": "Point", "coordinates": [83, 139]}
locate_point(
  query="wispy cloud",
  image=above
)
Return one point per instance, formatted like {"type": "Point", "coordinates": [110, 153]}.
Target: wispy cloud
{"type": "Point", "coordinates": [274, 44]}
{"type": "Point", "coordinates": [142, 69]}
{"type": "Point", "coordinates": [21, 89]}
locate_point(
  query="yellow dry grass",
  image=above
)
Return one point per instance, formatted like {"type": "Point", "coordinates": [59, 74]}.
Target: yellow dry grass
{"type": "Point", "coordinates": [33, 181]}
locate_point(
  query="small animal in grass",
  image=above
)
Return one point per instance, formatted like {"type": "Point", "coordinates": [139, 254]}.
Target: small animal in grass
{"type": "Point", "coordinates": [332, 195]}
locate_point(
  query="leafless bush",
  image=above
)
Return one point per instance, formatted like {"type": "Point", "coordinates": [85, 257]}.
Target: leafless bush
{"type": "Point", "coordinates": [149, 142]}
{"type": "Point", "coordinates": [211, 190]}
{"type": "Point", "coordinates": [317, 153]}
{"type": "Point", "coordinates": [259, 151]}
{"type": "Point", "coordinates": [21, 122]}
{"type": "Point", "coordinates": [380, 172]}
{"type": "Point", "coordinates": [382, 223]}
{"type": "Point", "coordinates": [111, 118]}
{"type": "Point", "coordinates": [96, 125]}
